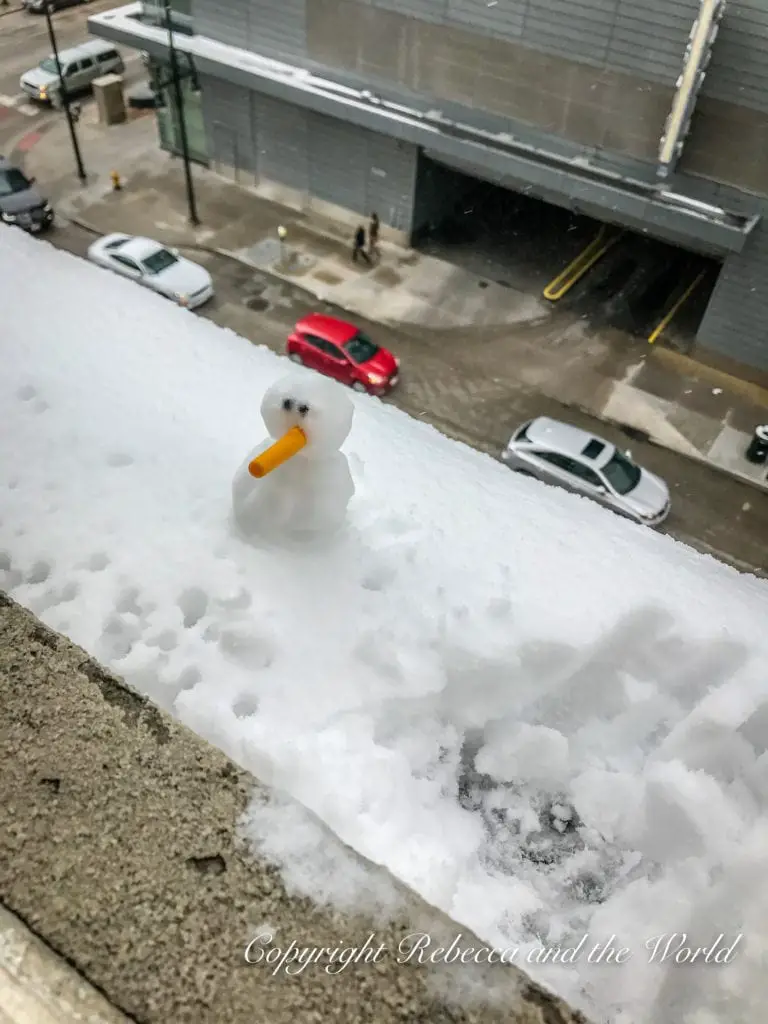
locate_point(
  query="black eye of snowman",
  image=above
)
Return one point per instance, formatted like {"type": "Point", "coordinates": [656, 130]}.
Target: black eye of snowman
{"type": "Point", "coordinates": [303, 409]}
{"type": "Point", "coordinates": [288, 404]}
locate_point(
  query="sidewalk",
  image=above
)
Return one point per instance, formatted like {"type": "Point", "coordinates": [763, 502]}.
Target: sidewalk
{"type": "Point", "coordinates": [675, 401]}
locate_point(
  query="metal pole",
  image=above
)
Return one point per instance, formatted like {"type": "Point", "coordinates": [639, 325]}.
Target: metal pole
{"type": "Point", "coordinates": [179, 102]}
{"type": "Point", "coordinates": [65, 97]}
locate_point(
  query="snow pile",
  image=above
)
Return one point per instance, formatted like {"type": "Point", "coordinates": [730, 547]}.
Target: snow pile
{"type": "Point", "coordinates": [547, 720]}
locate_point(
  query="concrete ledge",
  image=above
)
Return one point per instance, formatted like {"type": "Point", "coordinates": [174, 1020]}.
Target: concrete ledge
{"type": "Point", "coordinates": [119, 848]}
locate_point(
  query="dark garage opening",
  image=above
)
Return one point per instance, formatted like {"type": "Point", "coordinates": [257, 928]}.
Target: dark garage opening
{"type": "Point", "coordinates": [524, 243]}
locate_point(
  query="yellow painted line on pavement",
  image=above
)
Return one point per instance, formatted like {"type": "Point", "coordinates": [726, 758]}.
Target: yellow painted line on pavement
{"type": "Point", "coordinates": [578, 267]}
{"type": "Point", "coordinates": [667, 319]}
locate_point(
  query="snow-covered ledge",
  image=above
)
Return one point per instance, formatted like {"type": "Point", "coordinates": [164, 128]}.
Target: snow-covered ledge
{"type": "Point", "coordinates": [120, 847]}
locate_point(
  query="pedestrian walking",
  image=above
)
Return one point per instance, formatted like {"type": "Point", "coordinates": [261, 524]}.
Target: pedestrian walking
{"type": "Point", "coordinates": [358, 249]}
{"type": "Point", "coordinates": [373, 237]}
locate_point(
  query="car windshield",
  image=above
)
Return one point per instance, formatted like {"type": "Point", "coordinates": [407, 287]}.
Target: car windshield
{"type": "Point", "coordinates": [49, 65]}
{"type": "Point", "coordinates": [360, 348]}
{"type": "Point", "coordinates": [12, 181]}
{"type": "Point", "coordinates": [622, 475]}
{"type": "Point", "coordinates": [160, 260]}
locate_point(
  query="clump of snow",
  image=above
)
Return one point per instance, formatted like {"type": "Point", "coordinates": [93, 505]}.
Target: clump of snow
{"type": "Point", "coordinates": [548, 721]}
{"type": "Point", "coordinates": [313, 863]}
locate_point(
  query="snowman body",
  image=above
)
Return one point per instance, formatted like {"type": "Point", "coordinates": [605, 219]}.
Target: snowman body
{"type": "Point", "coordinates": [306, 496]}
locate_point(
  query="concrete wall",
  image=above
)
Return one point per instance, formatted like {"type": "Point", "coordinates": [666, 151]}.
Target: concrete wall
{"type": "Point", "coordinates": [308, 160]}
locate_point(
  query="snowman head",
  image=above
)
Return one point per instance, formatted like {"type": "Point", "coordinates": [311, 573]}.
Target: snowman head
{"type": "Point", "coordinates": [305, 413]}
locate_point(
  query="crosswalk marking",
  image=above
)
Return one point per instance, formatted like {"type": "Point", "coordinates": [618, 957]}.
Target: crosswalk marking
{"type": "Point", "coordinates": [19, 102]}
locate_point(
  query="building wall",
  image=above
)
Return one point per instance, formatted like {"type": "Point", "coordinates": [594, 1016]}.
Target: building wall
{"type": "Point", "coordinates": [594, 75]}
{"type": "Point", "coordinates": [735, 324]}
{"type": "Point", "coordinates": [601, 83]}
{"type": "Point", "coordinates": [272, 27]}
{"type": "Point", "coordinates": [322, 159]}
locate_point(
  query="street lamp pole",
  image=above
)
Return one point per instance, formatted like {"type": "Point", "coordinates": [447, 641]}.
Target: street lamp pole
{"type": "Point", "coordinates": [179, 104]}
{"type": "Point", "coordinates": [65, 97]}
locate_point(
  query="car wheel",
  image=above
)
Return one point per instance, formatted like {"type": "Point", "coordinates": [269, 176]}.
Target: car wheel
{"type": "Point", "coordinates": [295, 358]}
{"type": "Point", "coordinates": [359, 386]}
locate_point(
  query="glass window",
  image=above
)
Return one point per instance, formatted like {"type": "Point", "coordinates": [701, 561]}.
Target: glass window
{"type": "Point", "coordinates": [360, 348]}
{"type": "Point", "coordinates": [49, 65]}
{"type": "Point", "coordinates": [12, 181]}
{"type": "Point", "coordinates": [126, 262]}
{"type": "Point", "coordinates": [333, 351]}
{"type": "Point", "coordinates": [160, 260]}
{"type": "Point", "coordinates": [593, 449]}
{"type": "Point", "coordinates": [554, 459]}
{"type": "Point", "coordinates": [586, 474]}
{"type": "Point", "coordinates": [622, 474]}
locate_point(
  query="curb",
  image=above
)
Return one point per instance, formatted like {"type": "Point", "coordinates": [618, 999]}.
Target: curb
{"type": "Point", "coordinates": [632, 432]}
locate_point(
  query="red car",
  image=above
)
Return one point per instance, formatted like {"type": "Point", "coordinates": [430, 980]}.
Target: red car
{"type": "Point", "coordinates": [338, 349]}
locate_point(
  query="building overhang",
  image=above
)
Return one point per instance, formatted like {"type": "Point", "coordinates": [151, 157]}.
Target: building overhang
{"type": "Point", "coordinates": [643, 207]}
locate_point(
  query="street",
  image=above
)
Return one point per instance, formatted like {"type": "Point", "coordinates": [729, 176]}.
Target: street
{"type": "Point", "coordinates": [24, 43]}
{"type": "Point", "coordinates": [452, 385]}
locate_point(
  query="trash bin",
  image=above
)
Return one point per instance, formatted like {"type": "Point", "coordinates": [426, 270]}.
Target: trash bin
{"type": "Point", "coordinates": [757, 451]}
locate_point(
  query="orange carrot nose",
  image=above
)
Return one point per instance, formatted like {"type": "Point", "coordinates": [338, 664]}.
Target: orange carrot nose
{"type": "Point", "coordinates": [278, 453]}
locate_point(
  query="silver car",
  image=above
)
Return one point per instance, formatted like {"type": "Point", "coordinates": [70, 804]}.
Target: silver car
{"type": "Point", "coordinates": [560, 454]}
{"type": "Point", "coordinates": [156, 267]}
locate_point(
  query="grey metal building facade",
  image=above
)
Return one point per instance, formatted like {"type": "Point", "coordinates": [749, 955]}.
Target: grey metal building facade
{"type": "Point", "coordinates": [335, 104]}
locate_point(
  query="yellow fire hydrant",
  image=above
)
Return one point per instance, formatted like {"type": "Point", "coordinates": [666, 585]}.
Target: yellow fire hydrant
{"type": "Point", "coordinates": [116, 183]}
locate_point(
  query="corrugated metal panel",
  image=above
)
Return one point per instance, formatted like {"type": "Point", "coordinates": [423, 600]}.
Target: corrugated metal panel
{"type": "Point", "coordinates": [391, 180]}
{"type": "Point", "coordinates": [649, 38]}
{"type": "Point", "coordinates": [228, 127]}
{"type": "Point", "coordinates": [281, 133]}
{"type": "Point", "coordinates": [338, 162]}
{"type": "Point", "coordinates": [580, 30]}
{"type": "Point", "coordinates": [276, 27]}
{"type": "Point", "coordinates": [503, 19]}
{"type": "Point", "coordinates": [738, 72]}
{"type": "Point", "coordinates": [424, 10]}
{"type": "Point", "coordinates": [332, 160]}
{"type": "Point", "coordinates": [273, 27]}
{"type": "Point", "coordinates": [226, 21]}
{"type": "Point", "coordinates": [734, 323]}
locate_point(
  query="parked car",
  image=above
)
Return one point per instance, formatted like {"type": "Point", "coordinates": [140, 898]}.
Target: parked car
{"type": "Point", "coordinates": [20, 202]}
{"type": "Point", "coordinates": [154, 266]}
{"type": "Point", "coordinates": [339, 349]}
{"type": "Point", "coordinates": [569, 457]}
{"type": "Point", "coordinates": [80, 65]}
{"type": "Point", "coordinates": [38, 6]}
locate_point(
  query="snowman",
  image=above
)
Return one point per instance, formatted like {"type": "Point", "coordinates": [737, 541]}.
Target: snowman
{"type": "Point", "coordinates": [297, 485]}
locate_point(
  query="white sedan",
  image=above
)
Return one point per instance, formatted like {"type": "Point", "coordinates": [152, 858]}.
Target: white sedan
{"type": "Point", "coordinates": [154, 266]}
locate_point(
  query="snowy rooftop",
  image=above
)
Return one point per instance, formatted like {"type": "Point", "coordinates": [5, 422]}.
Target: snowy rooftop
{"type": "Point", "coordinates": [548, 721]}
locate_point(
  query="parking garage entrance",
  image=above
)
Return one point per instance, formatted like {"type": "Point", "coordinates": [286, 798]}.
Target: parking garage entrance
{"type": "Point", "coordinates": [602, 273]}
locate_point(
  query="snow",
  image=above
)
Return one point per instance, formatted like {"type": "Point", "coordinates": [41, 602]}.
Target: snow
{"type": "Point", "coordinates": [547, 720]}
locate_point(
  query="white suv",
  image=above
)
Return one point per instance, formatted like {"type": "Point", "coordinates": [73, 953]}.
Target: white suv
{"type": "Point", "coordinates": [79, 67]}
